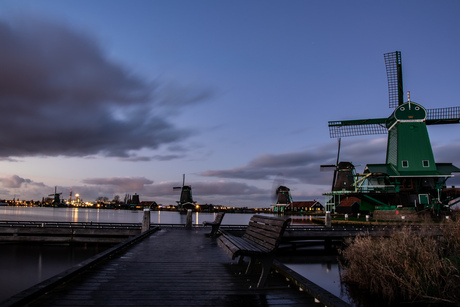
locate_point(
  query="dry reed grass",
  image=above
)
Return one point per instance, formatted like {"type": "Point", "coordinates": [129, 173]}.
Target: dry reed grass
{"type": "Point", "coordinates": [409, 266]}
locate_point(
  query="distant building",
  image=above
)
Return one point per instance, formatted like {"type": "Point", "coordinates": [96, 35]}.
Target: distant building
{"type": "Point", "coordinates": [304, 206]}
{"type": "Point", "coordinates": [147, 205]}
{"type": "Point", "coordinates": [349, 205]}
{"type": "Point", "coordinates": [205, 207]}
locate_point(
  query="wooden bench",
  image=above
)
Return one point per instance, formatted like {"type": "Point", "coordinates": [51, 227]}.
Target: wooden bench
{"type": "Point", "coordinates": [259, 242]}
{"type": "Point", "coordinates": [215, 225]}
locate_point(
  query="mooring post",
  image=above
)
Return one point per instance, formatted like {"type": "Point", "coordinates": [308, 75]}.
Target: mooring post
{"type": "Point", "coordinates": [146, 220]}
{"type": "Point", "coordinates": [188, 221]}
{"type": "Point", "coordinates": [327, 219]}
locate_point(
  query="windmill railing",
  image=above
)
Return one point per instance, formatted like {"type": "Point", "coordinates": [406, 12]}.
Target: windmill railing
{"type": "Point", "coordinates": [377, 188]}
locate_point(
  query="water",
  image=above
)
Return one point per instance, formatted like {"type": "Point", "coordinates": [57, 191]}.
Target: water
{"type": "Point", "coordinates": [324, 274]}
{"type": "Point", "coordinates": [48, 214]}
{"type": "Point", "coordinates": [23, 265]}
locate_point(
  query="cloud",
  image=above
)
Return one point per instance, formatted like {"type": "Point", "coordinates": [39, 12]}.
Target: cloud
{"type": "Point", "coordinates": [13, 181]}
{"type": "Point", "coordinates": [304, 166]}
{"type": "Point", "coordinates": [61, 95]}
{"type": "Point", "coordinates": [121, 183]}
{"type": "Point", "coordinates": [219, 193]}
{"type": "Point", "coordinates": [225, 188]}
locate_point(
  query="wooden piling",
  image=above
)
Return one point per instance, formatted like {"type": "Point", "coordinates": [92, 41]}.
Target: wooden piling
{"type": "Point", "coordinates": [328, 219]}
{"type": "Point", "coordinates": [146, 220]}
{"type": "Point", "coordinates": [188, 221]}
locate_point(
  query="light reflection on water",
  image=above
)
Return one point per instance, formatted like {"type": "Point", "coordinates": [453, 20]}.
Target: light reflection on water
{"type": "Point", "coordinates": [48, 214]}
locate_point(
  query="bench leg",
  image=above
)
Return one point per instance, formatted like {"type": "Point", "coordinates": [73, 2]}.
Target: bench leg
{"type": "Point", "coordinates": [214, 230]}
{"type": "Point", "coordinates": [266, 266]}
{"type": "Point", "coordinates": [240, 260]}
{"type": "Point", "coordinates": [252, 261]}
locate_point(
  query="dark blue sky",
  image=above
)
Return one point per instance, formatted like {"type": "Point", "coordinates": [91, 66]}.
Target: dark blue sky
{"type": "Point", "coordinates": [115, 97]}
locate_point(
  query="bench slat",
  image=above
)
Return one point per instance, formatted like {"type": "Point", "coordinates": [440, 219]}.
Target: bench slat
{"type": "Point", "coordinates": [268, 219]}
{"type": "Point", "coordinates": [260, 241]}
{"type": "Point", "coordinates": [260, 237]}
{"type": "Point", "coordinates": [272, 228]}
{"type": "Point", "coordinates": [265, 231]}
{"type": "Point", "coordinates": [236, 246]}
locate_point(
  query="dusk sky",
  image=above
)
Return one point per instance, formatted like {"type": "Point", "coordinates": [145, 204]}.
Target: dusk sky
{"type": "Point", "coordinates": [115, 97]}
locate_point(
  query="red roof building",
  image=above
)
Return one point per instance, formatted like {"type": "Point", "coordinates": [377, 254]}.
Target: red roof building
{"type": "Point", "coordinates": [349, 205]}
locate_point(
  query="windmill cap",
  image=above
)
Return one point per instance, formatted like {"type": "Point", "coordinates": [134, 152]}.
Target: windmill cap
{"type": "Point", "coordinates": [409, 111]}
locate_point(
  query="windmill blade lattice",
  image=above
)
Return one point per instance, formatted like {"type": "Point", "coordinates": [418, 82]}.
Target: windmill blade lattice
{"type": "Point", "coordinates": [394, 76]}
{"type": "Point", "coordinates": [357, 127]}
{"type": "Point", "coordinates": [450, 115]}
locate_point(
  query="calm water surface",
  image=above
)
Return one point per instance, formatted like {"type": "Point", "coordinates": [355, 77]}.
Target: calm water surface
{"type": "Point", "coordinates": [47, 214]}
{"type": "Point", "coordinates": [23, 265]}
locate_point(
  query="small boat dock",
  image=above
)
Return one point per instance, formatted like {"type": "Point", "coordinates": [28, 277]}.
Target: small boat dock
{"type": "Point", "coordinates": [170, 267]}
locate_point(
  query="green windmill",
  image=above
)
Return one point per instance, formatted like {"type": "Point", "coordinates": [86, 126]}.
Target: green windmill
{"type": "Point", "coordinates": [410, 177]}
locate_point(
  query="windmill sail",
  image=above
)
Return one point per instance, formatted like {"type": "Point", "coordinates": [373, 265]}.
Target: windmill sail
{"type": "Point", "coordinates": [394, 76]}
{"type": "Point", "coordinates": [450, 115]}
{"type": "Point", "coordinates": [345, 128]}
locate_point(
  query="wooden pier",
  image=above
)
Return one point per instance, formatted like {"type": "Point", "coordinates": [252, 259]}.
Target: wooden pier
{"type": "Point", "coordinates": [169, 267]}
{"type": "Point", "coordinates": [67, 232]}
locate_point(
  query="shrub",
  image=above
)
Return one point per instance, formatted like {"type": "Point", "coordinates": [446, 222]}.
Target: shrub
{"type": "Point", "coordinates": [408, 266]}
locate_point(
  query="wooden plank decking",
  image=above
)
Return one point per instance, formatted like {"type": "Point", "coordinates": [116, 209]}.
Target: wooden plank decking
{"type": "Point", "coordinates": [173, 267]}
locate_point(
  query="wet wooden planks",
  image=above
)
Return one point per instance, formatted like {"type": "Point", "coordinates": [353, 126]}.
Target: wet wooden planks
{"type": "Point", "coordinates": [173, 267]}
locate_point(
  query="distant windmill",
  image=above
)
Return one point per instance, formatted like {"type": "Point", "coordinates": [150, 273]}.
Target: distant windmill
{"type": "Point", "coordinates": [186, 199]}
{"type": "Point", "coordinates": [281, 194]}
{"type": "Point", "coordinates": [343, 173]}
{"type": "Point", "coordinates": [56, 197]}
{"type": "Point", "coordinates": [410, 173]}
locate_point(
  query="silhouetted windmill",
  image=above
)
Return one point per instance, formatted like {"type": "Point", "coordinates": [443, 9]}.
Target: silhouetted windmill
{"type": "Point", "coordinates": [283, 198]}
{"type": "Point", "coordinates": [410, 175]}
{"type": "Point", "coordinates": [186, 199]}
{"type": "Point", "coordinates": [56, 197]}
{"type": "Point", "coordinates": [344, 174]}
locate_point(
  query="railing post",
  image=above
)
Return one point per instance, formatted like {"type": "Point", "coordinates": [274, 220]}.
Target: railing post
{"type": "Point", "coordinates": [146, 220]}
{"type": "Point", "coordinates": [327, 219]}
{"type": "Point", "coordinates": [188, 221]}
